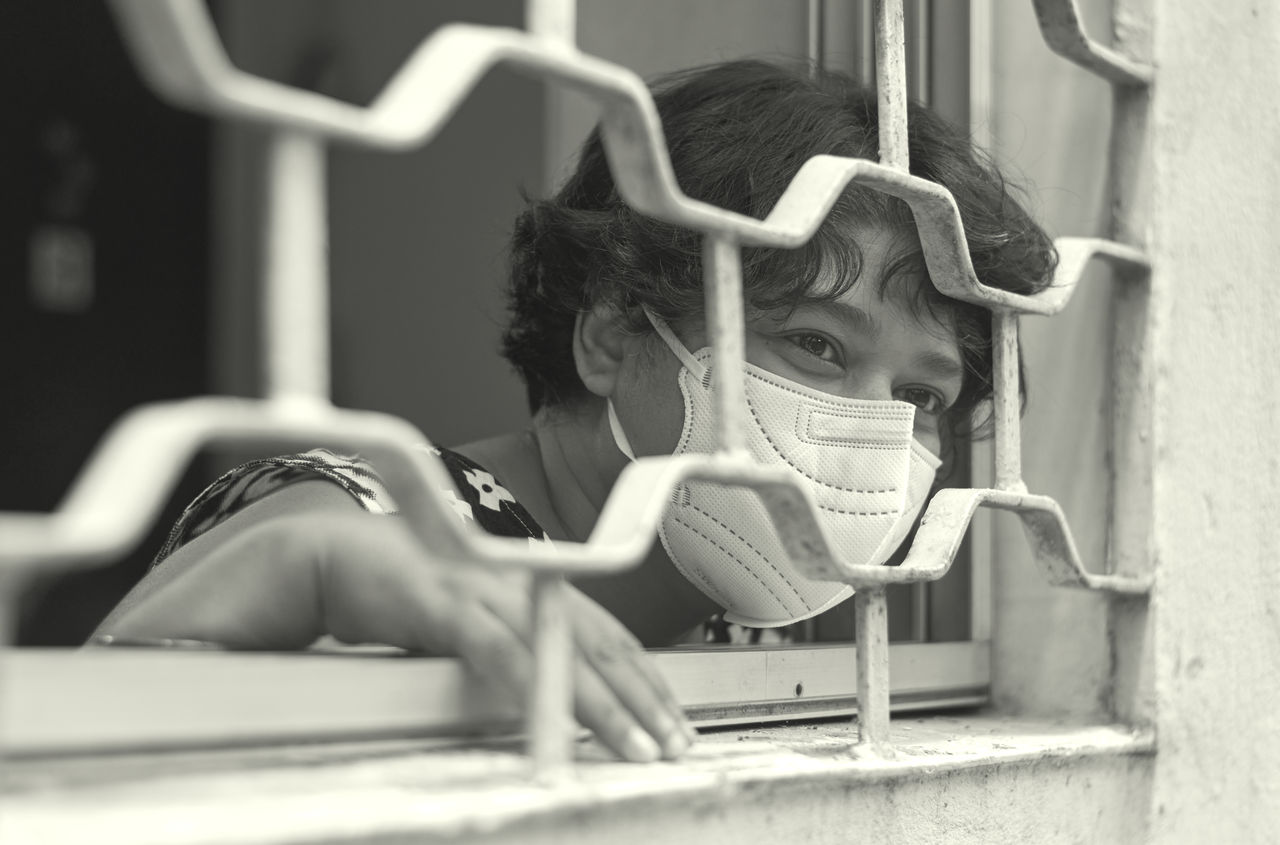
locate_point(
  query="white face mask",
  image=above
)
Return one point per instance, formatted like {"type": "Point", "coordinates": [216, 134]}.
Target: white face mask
{"type": "Point", "coordinates": [858, 458]}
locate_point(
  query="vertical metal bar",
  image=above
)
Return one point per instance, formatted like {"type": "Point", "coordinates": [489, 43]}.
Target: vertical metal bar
{"type": "Point", "coordinates": [981, 121]}
{"type": "Point", "coordinates": [550, 713]}
{"type": "Point", "coordinates": [921, 32]}
{"type": "Point", "coordinates": [11, 589]}
{"type": "Point", "coordinates": [1132, 324]}
{"type": "Point", "coordinates": [917, 49]}
{"type": "Point", "coordinates": [1007, 401]}
{"type": "Point", "coordinates": [817, 34]}
{"type": "Point", "coordinates": [553, 19]}
{"type": "Point", "coordinates": [920, 612]}
{"type": "Point", "coordinates": [891, 83]}
{"type": "Point", "coordinates": [870, 606]}
{"type": "Point", "coordinates": [1136, 320]}
{"type": "Point", "coordinates": [866, 42]}
{"type": "Point", "coordinates": [295, 277]}
{"type": "Point", "coordinates": [916, 25]}
{"type": "Point", "coordinates": [871, 620]}
{"type": "Point", "coordinates": [722, 272]}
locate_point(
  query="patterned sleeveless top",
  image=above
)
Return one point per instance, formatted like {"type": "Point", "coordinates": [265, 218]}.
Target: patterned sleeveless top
{"type": "Point", "coordinates": [482, 500]}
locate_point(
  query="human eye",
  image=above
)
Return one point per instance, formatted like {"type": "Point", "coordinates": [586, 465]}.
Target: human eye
{"type": "Point", "coordinates": [817, 346]}
{"type": "Point", "coordinates": [925, 399]}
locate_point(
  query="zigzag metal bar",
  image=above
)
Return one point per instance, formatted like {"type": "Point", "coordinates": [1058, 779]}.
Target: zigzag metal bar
{"type": "Point", "coordinates": [125, 483]}
{"type": "Point", "coordinates": [1074, 254]}
{"type": "Point", "coordinates": [947, 518]}
{"type": "Point", "coordinates": [129, 477]}
{"type": "Point", "coordinates": [180, 55]}
{"type": "Point", "coordinates": [1064, 33]}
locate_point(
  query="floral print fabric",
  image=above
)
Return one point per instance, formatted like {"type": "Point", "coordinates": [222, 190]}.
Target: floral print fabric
{"type": "Point", "coordinates": [479, 497]}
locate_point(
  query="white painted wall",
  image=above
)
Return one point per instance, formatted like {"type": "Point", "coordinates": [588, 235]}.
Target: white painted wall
{"type": "Point", "coordinates": [1216, 611]}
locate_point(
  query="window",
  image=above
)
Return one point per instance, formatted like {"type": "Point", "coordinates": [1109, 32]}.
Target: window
{"type": "Point", "coordinates": [777, 683]}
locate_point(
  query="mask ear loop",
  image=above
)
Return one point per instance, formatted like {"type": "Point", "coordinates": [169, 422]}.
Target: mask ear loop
{"type": "Point", "coordinates": [677, 348]}
{"type": "Point", "coordinates": [619, 436]}
{"type": "Point", "coordinates": [692, 364]}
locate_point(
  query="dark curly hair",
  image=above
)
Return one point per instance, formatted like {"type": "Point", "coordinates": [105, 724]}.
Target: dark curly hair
{"type": "Point", "coordinates": [737, 134]}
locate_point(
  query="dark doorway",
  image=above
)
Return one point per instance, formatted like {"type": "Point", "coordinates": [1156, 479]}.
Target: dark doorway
{"type": "Point", "coordinates": [104, 260]}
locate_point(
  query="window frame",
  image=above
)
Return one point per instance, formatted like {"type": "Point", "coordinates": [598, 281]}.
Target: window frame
{"type": "Point", "coordinates": [165, 699]}
{"type": "Point", "coordinates": [755, 707]}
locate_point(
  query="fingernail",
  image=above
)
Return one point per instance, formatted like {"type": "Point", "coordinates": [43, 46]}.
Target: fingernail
{"type": "Point", "coordinates": [673, 734]}
{"type": "Point", "coordinates": [639, 747]}
{"type": "Point", "coordinates": [675, 741]}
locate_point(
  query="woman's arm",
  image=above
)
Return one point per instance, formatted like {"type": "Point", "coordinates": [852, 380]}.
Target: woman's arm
{"type": "Point", "coordinates": [302, 497]}
{"type": "Point", "coordinates": [306, 561]}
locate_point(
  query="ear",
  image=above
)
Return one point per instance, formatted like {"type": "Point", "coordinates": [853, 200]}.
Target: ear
{"type": "Point", "coordinates": [600, 343]}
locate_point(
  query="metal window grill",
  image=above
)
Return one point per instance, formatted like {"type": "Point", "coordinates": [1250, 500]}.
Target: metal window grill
{"type": "Point", "coordinates": [122, 488]}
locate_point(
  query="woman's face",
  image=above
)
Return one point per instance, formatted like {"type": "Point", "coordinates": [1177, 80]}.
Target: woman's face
{"type": "Point", "coordinates": [863, 345]}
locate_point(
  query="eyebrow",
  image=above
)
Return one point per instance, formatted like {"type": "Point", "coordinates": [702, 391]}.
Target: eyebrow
{"type": "Point", "coordinates": [855, 316]}
{"type": "Point", "coordinates": [940, 365]}
{"type": "Point", "coordinates": [937, 364]}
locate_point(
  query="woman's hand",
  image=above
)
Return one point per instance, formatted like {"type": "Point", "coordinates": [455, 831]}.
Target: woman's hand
{"type": "Point", "coordinates": [282, 583]}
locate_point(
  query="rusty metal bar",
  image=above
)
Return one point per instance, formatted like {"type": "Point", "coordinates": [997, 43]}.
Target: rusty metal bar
{"type": "Point", "coordinates": [295, 291]}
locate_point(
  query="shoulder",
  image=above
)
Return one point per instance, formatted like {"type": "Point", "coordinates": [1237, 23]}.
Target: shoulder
{"type": "Point", "coordinates": [479, 497]}
{"type": "Point", "coordinates": [487, 501]}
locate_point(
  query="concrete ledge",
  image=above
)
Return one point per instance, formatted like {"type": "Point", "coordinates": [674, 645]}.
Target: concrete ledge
{"type": "Point", "coordinates": [956, 779]}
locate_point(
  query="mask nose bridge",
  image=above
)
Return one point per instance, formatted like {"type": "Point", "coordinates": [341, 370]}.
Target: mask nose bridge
{"type": "Point", "coordinates": [871, 384]}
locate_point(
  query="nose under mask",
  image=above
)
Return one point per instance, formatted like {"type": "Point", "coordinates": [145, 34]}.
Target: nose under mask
{"type": "Point", "coordinates": [858, 458]}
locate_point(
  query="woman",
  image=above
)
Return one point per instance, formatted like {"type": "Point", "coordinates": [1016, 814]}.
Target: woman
{"type": "Point", "coordinates": [607, 332]}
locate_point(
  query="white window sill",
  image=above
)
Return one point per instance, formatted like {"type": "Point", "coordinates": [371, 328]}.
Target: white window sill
{"type": "Point", "coordinates": [954, 778]}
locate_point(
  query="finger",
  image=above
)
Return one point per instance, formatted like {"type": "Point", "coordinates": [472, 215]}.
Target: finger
{"type": "Point", "coordinates": [617, 692]}
{"type": "Point", "coordinates": [599, 707]}
{"type": "Point", "coordinates": [492, 650]}
{"type": "Point", "coordinates": [624, 667]}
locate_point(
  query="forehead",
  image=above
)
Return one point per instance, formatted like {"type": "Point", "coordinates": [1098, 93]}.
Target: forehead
{"type": "Point", "coordinates": [890, 283]}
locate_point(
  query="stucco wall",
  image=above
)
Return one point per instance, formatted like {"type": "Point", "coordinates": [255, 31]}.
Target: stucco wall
{"type": "Point", "coordinates": [1216, 609]}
